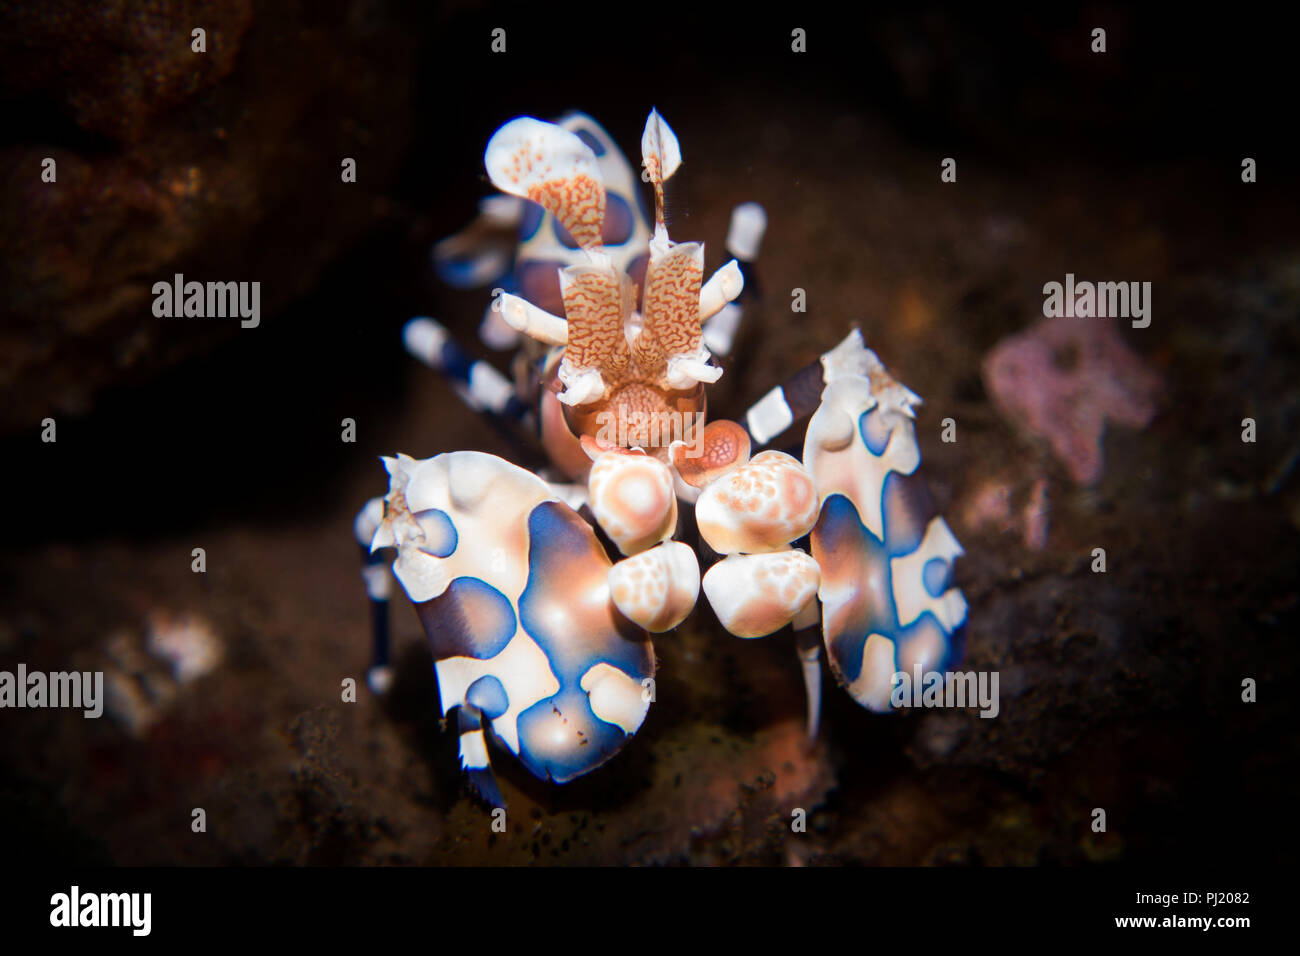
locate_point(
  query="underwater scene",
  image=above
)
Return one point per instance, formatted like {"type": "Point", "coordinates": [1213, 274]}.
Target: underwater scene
{"type": "Point", "coordinates": [444, 435]}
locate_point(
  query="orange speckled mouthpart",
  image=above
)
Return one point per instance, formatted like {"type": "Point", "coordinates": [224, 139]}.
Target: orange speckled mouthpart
{"type": "Point", "coordinates": [578, 202]}
{"type": "Point", "coordinates": [639, 415]}
{"type": "Point", "coordinates": [594, 308]}
{"type": "Point", "coordinates": [672, 307]}
{"type": "Point", "coordinates": [725, 446]}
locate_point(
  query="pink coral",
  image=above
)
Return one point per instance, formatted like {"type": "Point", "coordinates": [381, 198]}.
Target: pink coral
{"type": "Point", "coordinates": [1064, 379]}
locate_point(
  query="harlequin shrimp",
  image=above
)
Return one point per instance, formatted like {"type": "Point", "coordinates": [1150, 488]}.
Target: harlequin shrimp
{"type": "Point", "coordinates": [538, 591]}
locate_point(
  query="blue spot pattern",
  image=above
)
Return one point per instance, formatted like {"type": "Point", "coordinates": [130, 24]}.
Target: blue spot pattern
{"type": "Point", "coordinates": [561, 737]}
{"type": "Point", "coordinates": [590, 139]}
{"type": "Point", "coordinates": [618, 221]}
{"type": "Point", "coordinates": [440, 537]}
{"type": "Point", "coordinates": [488, 695]}
{"type": "Point", "coordinates": [469, 619]}
{"type": "Point", "coordinates": [841, 537]}
{"type": "Point", "coordinates": [530, 220]}
{"type": "Point", "coordinates": [616, 229]}
{"type": "Point", "coordinates": [936, 576]}
{"type": "Point", "coordinates": [875, 433]}
{"type": "Point", "coordinates": [563, 235]}
{"type": "Point", "coordinates": [906, 511]}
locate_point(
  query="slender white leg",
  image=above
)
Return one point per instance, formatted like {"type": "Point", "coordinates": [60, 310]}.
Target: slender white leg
{"type": "Point", "coordinates": [808, 642]}
{"type": "Point", "coordinates": [479, 385]}
{"type": "Point", "coordinates": [722, 314]}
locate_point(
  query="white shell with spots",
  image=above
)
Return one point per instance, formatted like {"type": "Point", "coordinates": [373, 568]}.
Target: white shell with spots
{"type": "Point", "coordinates": [834, 452]}
{"type": "Point", "coordinates": [756, 594]}
{"type": "Point", "coordinates": [859, 390]}
{"type": "Point", "coordinates": [633, 500]}
{"type": "Point", "coordinates": [620, 181]}
{"type": "Point", "coordinates": [910, 596]}
{"type": "Point", "coordinates": [526, 153]}
{"type": "Point", "coordinates": [762, 505]}
{"type": "Point", "coordinates": [488, 500]}
{"type": "Point", "coordinates": [657, 588]}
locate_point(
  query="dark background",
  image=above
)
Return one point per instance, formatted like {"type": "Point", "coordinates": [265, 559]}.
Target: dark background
{"type": "Point", "coordinates": [1013, 90]}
